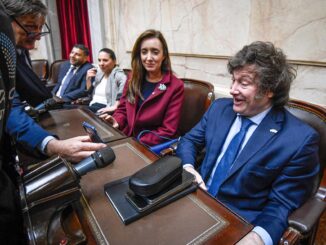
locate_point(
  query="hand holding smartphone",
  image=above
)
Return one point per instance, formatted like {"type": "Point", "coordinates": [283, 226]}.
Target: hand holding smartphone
{"type": "Point", "coordinates": [92, 132]}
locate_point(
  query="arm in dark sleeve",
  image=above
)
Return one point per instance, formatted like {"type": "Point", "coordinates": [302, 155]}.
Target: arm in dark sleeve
{"type": "Point", "coordinates": [22, 127]}
{"type": "Point", "coordinates": [291, 189]}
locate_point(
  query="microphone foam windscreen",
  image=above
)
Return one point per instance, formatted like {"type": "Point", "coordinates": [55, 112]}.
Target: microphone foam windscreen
{"type": "Point", "coordinates": [104, 157]}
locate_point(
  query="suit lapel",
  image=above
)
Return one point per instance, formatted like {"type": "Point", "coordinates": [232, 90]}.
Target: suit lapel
{"type": "Point", "coordinates": [266, 130]}
{"type": "Point", "coordinates": [221, 129]}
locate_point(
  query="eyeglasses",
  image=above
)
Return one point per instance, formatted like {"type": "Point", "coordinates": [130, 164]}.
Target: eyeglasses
{"type": "Point", "coordinates": [31, 34]}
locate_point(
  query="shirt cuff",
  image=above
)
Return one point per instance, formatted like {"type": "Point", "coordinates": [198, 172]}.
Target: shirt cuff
{"type": "Point", "coordinates": [44, 143]}
{"type": "Point", "coordinates": [188, 165]}
{"type": "Point", "coordinates": [263, 235]}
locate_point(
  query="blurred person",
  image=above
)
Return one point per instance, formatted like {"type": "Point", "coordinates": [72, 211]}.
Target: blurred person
{"type": "Point", "coordinates": [29, 26]}
{"type": "Point", "coordinates": [27, 21]}
{"type": "Point", "coordinates": [153, 96]}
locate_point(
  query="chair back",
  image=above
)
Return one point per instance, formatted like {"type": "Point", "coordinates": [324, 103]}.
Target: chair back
{"type": "Point", "coordinates": [198, 96]}
{"type": "Point", "coordinates": [54, 71]}
{"type": "Point", "coordinates": [41, 69]}
{"type": "Point", "coordinates": [315, 116]}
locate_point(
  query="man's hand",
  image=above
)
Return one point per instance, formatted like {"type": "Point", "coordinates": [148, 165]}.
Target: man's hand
{"type": "Point", "coordinates": [110, 119]}
{"type": "Point", "coordinates": [73, 149]}
{"type": "Point", "coordinates": [252, 238]}
{"type": "Point", "coordinates": [199, 179]}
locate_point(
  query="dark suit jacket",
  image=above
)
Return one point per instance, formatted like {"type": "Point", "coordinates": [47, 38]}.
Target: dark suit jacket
{"type": "Point", "coordinates": [77, 85]}
{"type": "Point", "coordinates": [274, 173]}
{"type": "Point", "coordinates": [29, 86]}
{"type": "Point", "coordinates": [160, 112]}
{"type": "Point", "coordinates": [23, 128]}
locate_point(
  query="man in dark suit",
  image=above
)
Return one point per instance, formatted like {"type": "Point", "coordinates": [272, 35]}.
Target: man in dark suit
{"type": "Point", "coordinates": [28, 24]}
{"type": "Point", "coordinates": [265, 170]}
{"type": "Point", "coordinates": [72, 75]}
{"type": "Point", "coordinates": [28, 85]}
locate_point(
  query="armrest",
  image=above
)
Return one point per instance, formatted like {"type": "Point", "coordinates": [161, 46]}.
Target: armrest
{"type": "Point", "coordinates": [304, 218]}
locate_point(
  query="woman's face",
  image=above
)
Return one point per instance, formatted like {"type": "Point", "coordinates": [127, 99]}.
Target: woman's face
{"type": "Point", "coordinates": [151, 54]}
{"type": "Point", "coordinates": [105, 62]}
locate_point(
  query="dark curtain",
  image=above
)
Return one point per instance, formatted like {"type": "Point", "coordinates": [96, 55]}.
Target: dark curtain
{"type": "Point", "coordinates": [74, 25]}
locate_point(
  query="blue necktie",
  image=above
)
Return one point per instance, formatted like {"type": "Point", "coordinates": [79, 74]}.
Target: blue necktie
{"type": "Point", "coordinates": [229, 157]}
{"type": "Point", "coordinates": [66, 81]}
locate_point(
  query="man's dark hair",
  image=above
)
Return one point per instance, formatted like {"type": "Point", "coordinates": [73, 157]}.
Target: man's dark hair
{"type": "Point", "coordinates": [17, 8]}
{"type": "Point", "coordinates": [109, 52]}
{"type": "Point", "coordinates": [82, 47]}
{"type": "Point", "coordinates": [274, 73]}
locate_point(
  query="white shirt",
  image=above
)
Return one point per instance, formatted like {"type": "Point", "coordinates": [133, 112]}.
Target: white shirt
{"type": "Point", "coordinates": [64, 80]}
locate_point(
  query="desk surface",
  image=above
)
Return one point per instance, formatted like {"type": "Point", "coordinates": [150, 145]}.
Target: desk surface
{"type": "Point", "coordinates": [194, 219]}
{"type": "Point", "coordinates": [67, 123]}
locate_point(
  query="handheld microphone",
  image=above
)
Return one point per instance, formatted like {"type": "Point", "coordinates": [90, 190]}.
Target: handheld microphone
{"type": "Point", "coordinates": [50, 104]}
{"type": "Point", "coordinates": [99, 159]}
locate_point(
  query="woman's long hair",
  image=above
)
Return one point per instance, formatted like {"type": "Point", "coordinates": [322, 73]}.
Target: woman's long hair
{"type": "Point", "coordinates": [138, 70]}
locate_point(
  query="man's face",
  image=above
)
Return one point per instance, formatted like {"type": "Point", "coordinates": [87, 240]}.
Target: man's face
{"type": "Point", "coordinates": [247, 99]}
{"type": "Point", "coordinates": [77, 57]}
{"type": "Point", "coordinates": [31, 23]}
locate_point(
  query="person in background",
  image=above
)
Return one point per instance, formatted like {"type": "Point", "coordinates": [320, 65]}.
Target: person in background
{"type": "Point", "coordinates": [107, 85]}
{"type": "Point", "coordinates": [28, 18]}
{"type": "Point", "coordinates": [256, 162]}
{"type": "Point", "coordinates": [72, 75]}
{"type": "Point", "coordinates": [153, 96]}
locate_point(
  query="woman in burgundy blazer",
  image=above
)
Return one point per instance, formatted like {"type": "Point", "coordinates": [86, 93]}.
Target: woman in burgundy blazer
{"type": "Point", "coordinates": [152, 96]}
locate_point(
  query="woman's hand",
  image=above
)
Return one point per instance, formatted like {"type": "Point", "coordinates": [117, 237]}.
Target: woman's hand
{"type": "Point", "coordinates": [108, 109]}
{"type": "Point", "coordinates": [89, 75]}
{"type": "Point", "coordinates": [110, 119]}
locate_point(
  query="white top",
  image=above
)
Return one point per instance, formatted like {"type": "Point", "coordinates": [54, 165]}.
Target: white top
{"type": "Point", "coordinates": [99, 95]}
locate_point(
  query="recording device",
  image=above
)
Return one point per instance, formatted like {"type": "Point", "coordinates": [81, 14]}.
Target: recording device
{"type": "Point", "coordinates": [92, 132]}
{"type": "Point", "coordinates": [50, 104]}
{"type": "Point", "coordinates": [56, 177]}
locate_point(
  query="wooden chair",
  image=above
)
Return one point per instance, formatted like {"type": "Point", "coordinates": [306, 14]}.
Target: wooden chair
{"type": "Point", "coordinates": [54, 73]}
{"type": "Point", "coordinates": [198, 96]}
{"type": "Point", "coordinates": [41, 68]}
{"type": "Point", "coordinates": [303, 222]}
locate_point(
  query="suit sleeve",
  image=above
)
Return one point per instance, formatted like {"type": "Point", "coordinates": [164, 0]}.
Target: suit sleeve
{"type": "Point", "coordinates": [22, 127]}
{"type": "Point", "coordinates": [292, 187]}
{"type": "Point", "coordinates": [169, 126]}
{"type": "Point", "coordinates": [120, 114]}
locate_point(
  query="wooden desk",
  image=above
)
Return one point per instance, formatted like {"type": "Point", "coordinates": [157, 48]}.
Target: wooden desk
{"type": "Point", "coordinates": [194, 219]}
{"type": "Point", "coordinates": [67, 123]}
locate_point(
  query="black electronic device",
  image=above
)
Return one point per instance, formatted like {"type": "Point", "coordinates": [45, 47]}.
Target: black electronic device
{"type": "Point", "coordinates": [92, 132]}
{"type": "Point", "coordinates": [142, 203]}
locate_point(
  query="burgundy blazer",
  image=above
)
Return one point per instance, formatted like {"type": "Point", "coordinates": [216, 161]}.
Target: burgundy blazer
{"type": "Point", "coordinates": [160, 112]}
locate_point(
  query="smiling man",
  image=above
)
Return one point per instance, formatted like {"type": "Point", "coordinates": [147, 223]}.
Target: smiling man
{"type": "Point", "coordinates": [72, 75]}
{"type": "Point", "coordinates": [256, 163]}
{"type": "Point", "coordinates": [29, 26]}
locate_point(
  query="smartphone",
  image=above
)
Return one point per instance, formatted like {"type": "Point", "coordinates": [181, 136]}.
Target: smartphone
{"type": "Point", "coordinates": [92, 132]}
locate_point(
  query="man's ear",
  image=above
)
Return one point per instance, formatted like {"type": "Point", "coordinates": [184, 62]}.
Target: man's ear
{"type": "Point", "coordinates": [270, 94]}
